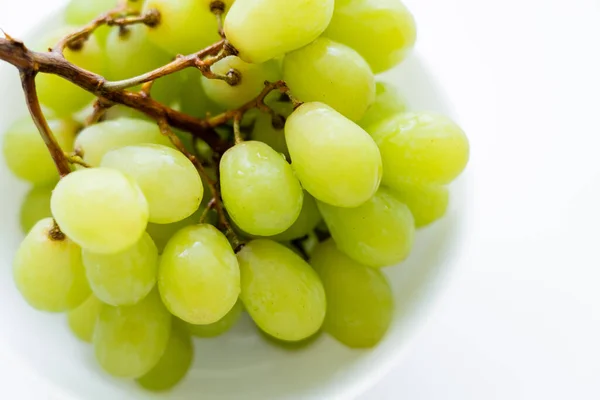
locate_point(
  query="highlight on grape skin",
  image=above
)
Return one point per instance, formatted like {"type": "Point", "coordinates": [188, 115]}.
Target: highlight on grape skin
{"type": "Point", "coordinates": [207, 162]}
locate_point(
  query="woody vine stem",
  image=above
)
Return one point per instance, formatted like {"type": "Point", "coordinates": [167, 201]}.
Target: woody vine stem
{"type": "Point", "coordinates": [31, 63]}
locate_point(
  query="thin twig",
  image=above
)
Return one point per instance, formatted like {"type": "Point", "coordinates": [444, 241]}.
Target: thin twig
{"type": "Point", "coordinates": [100, 108]}
{"type": "Point", "coordinates": [76, 159]}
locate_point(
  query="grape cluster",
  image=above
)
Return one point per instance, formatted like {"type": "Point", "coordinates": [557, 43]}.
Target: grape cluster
{"type": "Point", "coordinates": [321, 185]}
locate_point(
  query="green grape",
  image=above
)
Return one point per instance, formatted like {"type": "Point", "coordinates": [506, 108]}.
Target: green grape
{"type": "Point", "coordinates": [266, 29]}
{"type": "Point", "coordinates": [125, 278]}
{"type": "Point", "coordinates": [82, 12]}
{"type": "Point", "coordinates": [270, 131]}
{"type": "Point", "coordinates": [290, 346]}
{"type": "Point", "coordinates": [382, 31]}
{"type": "Point", "coordinates": [132, 54]}
{"type": "Point", "coordinates": [252, 81]}
{"type": "Point", "coordinates": [186, 26]}
{"type": "Point", "coordinates": [98, 139]}
{"type": "Point", "coordinates": [359, 298]}
{"type": "Point", "coordinates": [221, 326]}
{"type": "Point", "coordinates": [387, 104]}
{"type": "Point", "coordinates": [306, 222]}
{"type": "Point", "coordinates": [82, 320]}
{"type": "Point", "coordinates": [27, 156]}
{"type": "Point", "coordinates": [280, 291]}
{"type": "Point", "coordinates": [331, 73]}
{"type": "Point", "coordinates": [379, 233]}
{"type": "Point", "coordinates": [198, 276]}
{"type": "Point", "coordinates": [427, 203]}
{"type": "Point", "coordinates": [119, 111]}
{"type": "Point", "coordinates": [168, 179]}
{"type": "Point", "coordinates": [56, 93]}
{"type": "Point", "coordinates": [423, 147]}
{"type": "Point", "coordinates": [174, 363]}
{"type": "Point", "coordinates": [35, 207]}
{"type": "Point", "coordinates": [259, 189]}
{"type": "Point", "coordinates": [100, 209]}
{"type": "Point", "coordinates": [48, 272]}
{"type": "Point", "coordinates": [335, 159]}
{"type": "Point", "coordinates": [129, 341]}
{"type": "Point", "coordinates": [193, 99]}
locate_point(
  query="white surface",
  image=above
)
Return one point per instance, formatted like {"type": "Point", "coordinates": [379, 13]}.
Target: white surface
{"type": "Point", "coordinates": [519, 318]}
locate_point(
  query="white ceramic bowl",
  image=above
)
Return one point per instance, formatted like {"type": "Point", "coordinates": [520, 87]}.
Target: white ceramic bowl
{"type": "Point", "coordinates": [239, 364]}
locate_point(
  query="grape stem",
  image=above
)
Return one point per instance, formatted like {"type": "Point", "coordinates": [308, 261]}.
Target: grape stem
{"type": "Point", "coordinates": [100, 108]}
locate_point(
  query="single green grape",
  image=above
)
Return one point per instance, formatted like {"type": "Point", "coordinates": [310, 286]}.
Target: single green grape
{"type": "Point", "coordinates": [359, 298]}
{"type": "Point", "coordinates": [119, 111]}
{"type": "Point", "coordinates": [306, 222]}
{"type": "Point", "coordinates": [335, 159]}
{"type": "Point", "coordinates": [129, 341]}
{"type": "Point", "coordinates": [266, 29]}
{"type": "Point", "coordinates": [58, 94]}
{"type": "Point", "coordinates": [82, 320]}
{"type": "Point", "coordinates": [100, 209]}
{"type": "Point", "coordinates": [48, 272]}
{"type": "Point", "coordinates": [193, 99]}
{"type": "Point", "coordinates": [221, 326]}
{"type": "Point", "coordinates": [388, 103]}
{"type": "Point", "coordinates": [186, 26]}
{"type": "Point", "coordinates": [98, 139]}
{"type": "Point", "coordinates": [199, 276]}
{"type": "Point", "coordinates": [125, 278]}
{"type": "Point", "coordinates": [426, 202]}
{"type": "Point", "coordinates": [280, 291]}
{"type": "Point", "coordinates": [382, 31]}
{"type": "Point", "coordinates": [168, 179]}
{"type": "Point", "coordinates": [132, 54]}
{"type": "Point", "coordinates": [174, 363]}
{"type": "Point", "coordinates": [35, 206]}
{"type": "Point", "coordinates": [82, 12]}
{"type": "Point", "coordinates": [251, 77]}
{"type": "Point", "coordinates": [27, 156]}
{"type": "Point", "coordinates": [424, 147]}
{"type": "Point", "coordinates": [331, 73]}
{"type": "Point", "coordinates": [289, 346]}
{"type": "Point", "coordinates": [259, 189]}
{"type": "Point", "coordinates": [379, 233]}
{"type": "Point", "coordinates": [270, 130]}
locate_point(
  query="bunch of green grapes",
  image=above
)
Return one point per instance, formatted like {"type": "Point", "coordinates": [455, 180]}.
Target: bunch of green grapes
{"type": "Point", "coordinates": [322, 187]}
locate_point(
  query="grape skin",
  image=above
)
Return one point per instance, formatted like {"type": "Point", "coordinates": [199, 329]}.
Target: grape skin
{"type": "Point", "coordinates": [427, 203]}
{"type": "Point", "coordinates": [49, 273]}
{"type": "Point", "coordinates": [35, 207]}
{"type": "Point", "coordinates": [221, 326]}
{"type": "Point", "coordinates": [82, 320]}
{"type": "Point", "coordinates": [388, 103]}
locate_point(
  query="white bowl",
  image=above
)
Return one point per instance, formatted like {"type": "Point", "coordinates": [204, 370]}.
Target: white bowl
{"type": "Point", "coordinates": [239, 364]}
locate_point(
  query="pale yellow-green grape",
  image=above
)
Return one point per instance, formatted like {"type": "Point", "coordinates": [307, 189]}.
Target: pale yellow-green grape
{"type": "Point", "coordinates": [82, 320]}
{"type": "Point", "coordinates": [186, 26]}
{"type": "Point", "coordinates": [266, 29]}
{"type": "Point", "coordinates": [162, 233]}
{"type": "Point", "coordinates": [82, 12]}
{"type": "Point", "coordinates": [168, 179]}
{"type": "Point", "coordinates": [424, 147]}
{"type": "Point", "coordinates": [48, 272]}
{"type": "Point", "coordinates": [379, 233]}
{"type": "Point", "coordinates": [221, 326]}
{"type": "Point", "coordinates": [193, 99]}
{"type": "Point", "coordinates": [35, 206]}
{"type": "Point", "coordinates": [359, 298]}
{"type": "Point", "coordinates": [199, 276]}
{"type": "Point", "coordinates": [174, 363]}
{"type": "Point", "coordinates": [388, 103]}
{"type": "Point", "coordinates": [129, 341]}
{"type": "Point", "coordinates": [27, 156]}
{"type": "Point", "coordinates": [132, 54]}
{"type": "Point", "coordinates": [98, 139]}
{"type": "Point", "coordinates": [280, 291]}
{"type": "Point", "coordinates": [289, 346]}
{"type": "Point", "coordinates": [252, 79]}
{"type": "Point", "coordinates": [335, 159]}
{"type": "Point", "coordinates": [100, 209]}
{"type": "Point", "coordinates": [259, 189]}
{"type": "Point", "coordinates": [122, 112]}
{"type": "Point", "coordinates": [271, 131]}
{"type": "Point", "coordinates": [123, 279]}
{"type": "Point", "coordinates": [382, 31]}
{"type": "Point", "coordinates": [331, 73]}
{"type": "Point", "coordinates": [306, 222]}
{"type": "Point", "coordinates": [426, 202]}
{"type": "Point", "coordinates": [54, 92]}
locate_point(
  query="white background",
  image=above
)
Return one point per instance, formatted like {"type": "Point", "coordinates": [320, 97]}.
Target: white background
{"type": "Point", "coordinates": [520, 316]}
